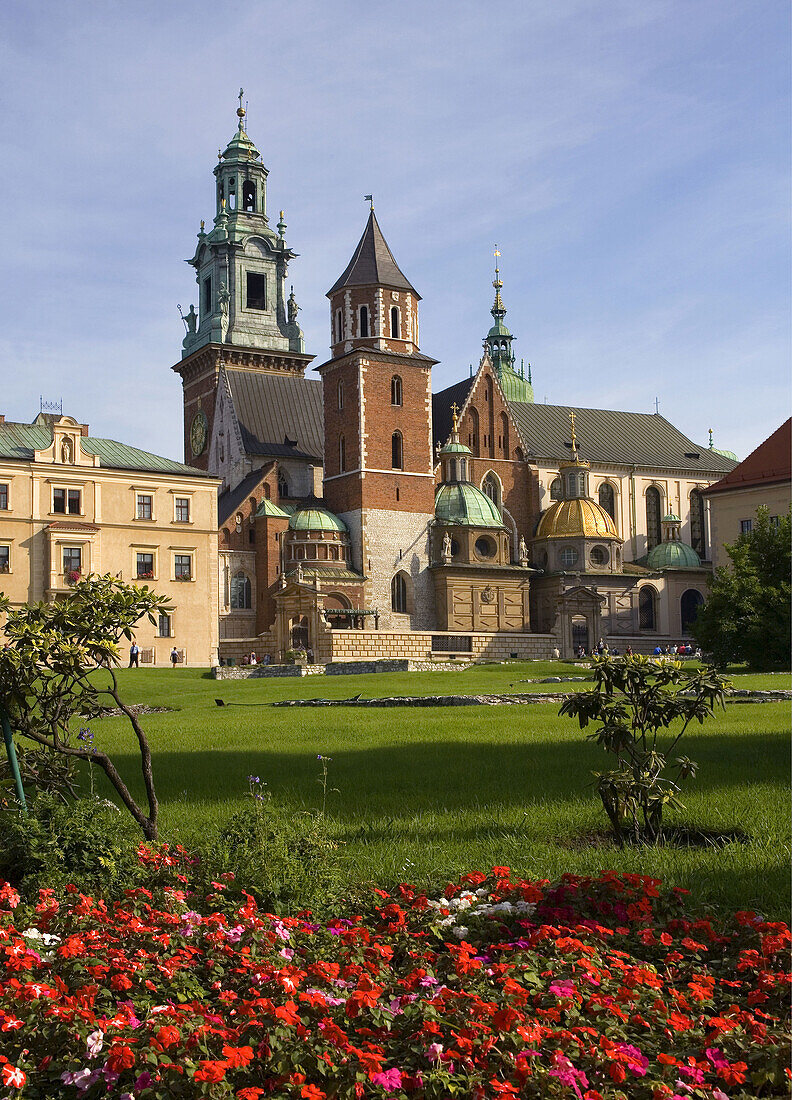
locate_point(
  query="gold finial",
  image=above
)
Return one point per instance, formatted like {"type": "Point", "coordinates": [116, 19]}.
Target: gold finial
{"type": "Point", "coordinates": [710, 443]}
{"type": "Point", "coordinates": [219, 153]}
{"type": "Point", "coordinates": [574, 440]}
{"type": "Point", "coordinates": [240, 108]}
{"type": "Point", "coordinates": [497, 280]}
{"type": "Point", "coordinates": [203, 225]}
{"type": "Point", "coordinates": [454, 417]}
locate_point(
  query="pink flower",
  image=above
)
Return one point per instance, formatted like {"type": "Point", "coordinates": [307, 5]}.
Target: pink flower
{"type": "Point", "coordinates": [94, 1043]}
{"type": "Point", "coordinates": [434, 1051]}
{"type": "Point", "coordinates": [390, 1080]}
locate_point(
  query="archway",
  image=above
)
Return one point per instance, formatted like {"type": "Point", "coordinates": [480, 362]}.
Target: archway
{"type": "Point", "coordinates": [689, 604]}
{"type": "Point", "coordinates": [580, 634]}
{"type": "Point", "coordinates": [299, 633]}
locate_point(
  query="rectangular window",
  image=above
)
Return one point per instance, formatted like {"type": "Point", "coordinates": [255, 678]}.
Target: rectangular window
{"type": "Point", "coordinates": [460, 643]}
{"type": "Point", "coordinates": [4, 497]}
{"type": "Point", "coordinates": [746, 526]}
{"type": "Point", "coordinates": [256, 290]}
{"type": "Point", "coordinates": [5, 559]}
{"type": "Point", "coordinates": [164, 625]}
{"type": "Point", "coordinates": [182, 509]}
{"type": "Point", "coordinates": [145, 506]}
{"type": "Point", "coordinates": [144, 566]}
{"type": "Point", "coordinates": [182, 567]}
{"type": "Point", "coordinates": [774, 521]}
{"type": "Point", "coordinates": [72, 560]}
{"type": "Point", "coordinates": [206, 304]}
{"type": "Point", "coordinates": [66, 501]}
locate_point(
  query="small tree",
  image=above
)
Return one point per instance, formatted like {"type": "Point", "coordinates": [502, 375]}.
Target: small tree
{"type": "Point", "coordinates": [48, 674]}
{"type": "Point", "coordinates": [635, 700]}
{"type": "Point", "coordinates": [746, 616]}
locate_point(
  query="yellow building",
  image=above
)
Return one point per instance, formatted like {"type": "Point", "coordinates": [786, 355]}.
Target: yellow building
{"type": "Point", "coordinates": [762, 480]}
{"type": "Point", "coordinates": [72, 504]}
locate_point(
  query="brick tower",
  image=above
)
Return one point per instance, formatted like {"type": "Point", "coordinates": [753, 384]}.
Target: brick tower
{"type": "Point", "coordinates": [378, 472]}
{"type": "Point", "coordinates": [244, 320]}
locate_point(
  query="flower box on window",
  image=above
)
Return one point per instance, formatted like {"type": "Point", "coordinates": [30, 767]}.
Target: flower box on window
{"type": "Point", "coordinates": [183, 577]}
{"type": "Point", "coordinates": [146, 576]}
{"type": "Point", "coordinates": [73, 576]}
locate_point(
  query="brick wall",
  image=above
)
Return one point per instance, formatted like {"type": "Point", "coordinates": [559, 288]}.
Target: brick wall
{"type": "Point", "coordinates": [356, 645]}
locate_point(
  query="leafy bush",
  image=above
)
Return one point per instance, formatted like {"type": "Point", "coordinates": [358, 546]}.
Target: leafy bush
{"type": "Point", "coordinates": [634, 700]}
{"type": "Point", "coordinates": [285, 859]}
{"type": "Point", "coordinates": [87, 842]}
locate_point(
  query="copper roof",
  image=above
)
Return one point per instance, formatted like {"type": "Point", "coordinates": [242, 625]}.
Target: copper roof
{"type": "Point", "coordinates": [372, 263]}
{"type": "Point", "coordinates": [280, 415]}
{"type": "Point", "coordinates": [768, 464]}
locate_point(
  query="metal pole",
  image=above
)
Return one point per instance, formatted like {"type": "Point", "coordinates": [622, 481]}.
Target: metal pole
{"type": "Point", "coordinates": [12, 758]}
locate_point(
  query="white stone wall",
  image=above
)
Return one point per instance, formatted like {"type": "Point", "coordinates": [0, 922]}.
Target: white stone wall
{"type": "Point", "coordinates": [394, 541]}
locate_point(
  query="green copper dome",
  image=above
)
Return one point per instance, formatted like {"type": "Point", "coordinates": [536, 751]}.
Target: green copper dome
{"type": "Point", "coordinates": [673, 555]}
{"type": "Point", "coordinates": [498, 329]}
{"type": "Point", "coordinates": [315, 519]}
{"type": "Point", "coordinates": [461, 503]}
{"type": "Point", "coordinates": [725, 454]}
{"type": "Point", "coordinates": [454, 447]}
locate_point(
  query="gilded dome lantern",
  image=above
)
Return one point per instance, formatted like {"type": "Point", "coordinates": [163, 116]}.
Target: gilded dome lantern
{"type": "Point", "coordinates": [576, 533]}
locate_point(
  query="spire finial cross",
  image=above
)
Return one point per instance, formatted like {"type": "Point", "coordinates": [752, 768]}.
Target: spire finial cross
{"type": "Point", "coordinates": [454, 417]}
{"type": "Point", "coordinates": [574, 440]}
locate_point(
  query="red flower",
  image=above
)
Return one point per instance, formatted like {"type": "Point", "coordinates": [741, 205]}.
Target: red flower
{"type": "Point", "coordinates": [120, 1058]}
{"type": "Point", "coordinates": [210, 1071]}
{"type": "Point", "coordinates": [13, 1077]}
{"type": "Point", "coordinates": [167, 1036]}
{"type": "Point", "coordinates": [311, 1092]}
{"type": "Point", "coordinates": [238, 1056]}
{"type": "Point", "coordinates": [250, 1093]}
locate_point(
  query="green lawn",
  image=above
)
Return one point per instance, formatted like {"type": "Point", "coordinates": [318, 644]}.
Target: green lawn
{"type": "Point", "coordinates": [424, 794]}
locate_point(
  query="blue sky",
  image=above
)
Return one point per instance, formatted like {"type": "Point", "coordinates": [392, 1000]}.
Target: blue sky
{"type": "Point", "coordinates": [629, 157]}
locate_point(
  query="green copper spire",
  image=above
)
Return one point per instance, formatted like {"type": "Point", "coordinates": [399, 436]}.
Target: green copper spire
{"type": "Point", "coordinates": [498, 344]}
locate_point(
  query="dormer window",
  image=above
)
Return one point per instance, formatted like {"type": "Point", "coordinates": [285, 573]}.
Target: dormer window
{"type": "Point", "coordinates": [364, 322]}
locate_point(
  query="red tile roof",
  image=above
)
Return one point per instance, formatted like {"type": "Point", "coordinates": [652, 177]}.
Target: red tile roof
{"type": "Point", "coordinates": [770, 463]}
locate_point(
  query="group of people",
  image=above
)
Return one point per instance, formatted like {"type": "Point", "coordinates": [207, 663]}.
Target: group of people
{"type": "Point", "coordinates": [684, 649]}
{"type": "Point", "coordinates": [252, 659]}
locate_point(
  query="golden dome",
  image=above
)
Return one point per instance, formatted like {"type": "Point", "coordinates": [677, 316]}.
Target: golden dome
{"type": "Point", "coordinates": [574, 518]}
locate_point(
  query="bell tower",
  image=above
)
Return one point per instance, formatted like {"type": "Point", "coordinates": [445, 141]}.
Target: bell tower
{"type": "Point", "coordinates": [378, 466]}
{"type": "Point", "coordinates": [243, 317]}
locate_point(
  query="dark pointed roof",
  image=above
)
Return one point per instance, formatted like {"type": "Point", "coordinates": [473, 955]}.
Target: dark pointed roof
{"type": "Point", "coordinates": [767, 465]}
{"type": "Point", "coordinates": [372, 263]}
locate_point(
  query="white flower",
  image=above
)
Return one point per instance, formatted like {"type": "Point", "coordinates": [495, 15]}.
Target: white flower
{"type": "Point", "coordinates": [460, 931]}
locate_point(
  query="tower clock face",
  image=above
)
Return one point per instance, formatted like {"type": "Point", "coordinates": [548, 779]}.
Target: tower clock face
{"type": "Point", "coordinates": [198, 433]}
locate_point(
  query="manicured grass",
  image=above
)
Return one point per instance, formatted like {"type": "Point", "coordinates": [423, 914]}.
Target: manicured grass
{"type": "Point", "coordinates": [426, 794]}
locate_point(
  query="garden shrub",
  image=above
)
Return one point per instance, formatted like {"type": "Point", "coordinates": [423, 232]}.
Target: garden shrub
{"type": "Point", "coordinates": [285, 859]}
{"type": "Point", "coordinates": [87, 842]}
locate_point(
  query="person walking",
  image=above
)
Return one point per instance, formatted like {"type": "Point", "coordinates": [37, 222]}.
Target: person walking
{"type": "Point", "coordinates": [134, 656]}
{"type": "Point", "coordinates": [174, 656]}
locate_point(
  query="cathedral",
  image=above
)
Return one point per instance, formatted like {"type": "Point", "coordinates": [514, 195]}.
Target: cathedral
{"type": "Point", "coordinates": [362, 516]}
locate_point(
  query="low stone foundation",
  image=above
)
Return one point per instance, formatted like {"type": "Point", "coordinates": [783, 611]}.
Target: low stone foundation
{"type": "Point", "coordinates": [338, 668]}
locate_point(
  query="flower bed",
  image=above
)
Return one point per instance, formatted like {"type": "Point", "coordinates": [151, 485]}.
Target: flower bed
{"type": "Point", "coordinates": [588, 988]}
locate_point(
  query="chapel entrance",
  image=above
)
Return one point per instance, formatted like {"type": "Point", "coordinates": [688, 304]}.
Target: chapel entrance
{"type": "Point", "coordinates": [299, 633]}
{"type": "Point", "coordinates": [580, 635]}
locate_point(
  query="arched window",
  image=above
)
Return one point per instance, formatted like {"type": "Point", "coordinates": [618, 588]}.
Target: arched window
{"type": "Point", "coordinates": [697, 528]}
{"type": "Point", "coordinates": [689, 604]}
{"type": "Point", "coordinates": [249, 196]}
{"type": "Point", "coordinates": [396, 390]}
{"type": "Point", "coordinates": [399, 593]}
{"type": "Point", "coordinates": [652, 517]}
{"type": "Point", "coordinates": [340, 391]}
{"type": "Point", "coordinates": [240, 591]}
{"type": "Point", "coordinates": [555, 489]}
{"type": "Point", "coordinates": [518, 454]}
{"type": "Point", "coordinates": [283, 485]}
{"type": "Point", "coordinates": [397, 455]}
{"type": "Point", "coordinates": [341, 454]}
{"type": "Point", "coordinates": [339, 326]}
{"type": "Point", "coordinates": [607, 499]}
{"type": "Point", "coordinates": [395, 323]}
{"type": "Point", "coordinates": [491, 486]}
{"type": "Point", "coordinates": [647, 608]}
{"type": "Point", "coordinates": [504, 435]}
{"type": "Point", "coordinates": [473, 434]}
{"type": "Point", "coordinates": [364, 321]}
